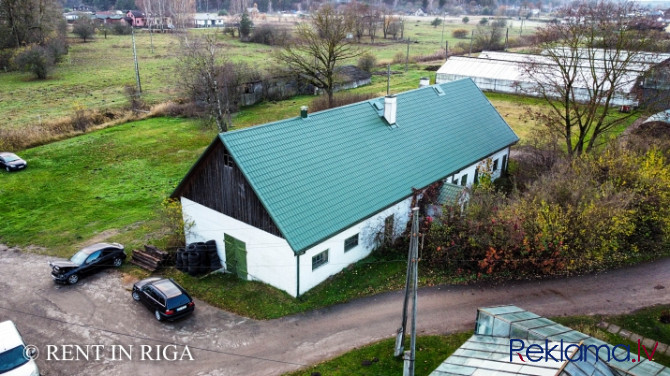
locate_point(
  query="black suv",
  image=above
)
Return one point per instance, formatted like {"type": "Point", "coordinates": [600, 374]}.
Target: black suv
{"type": "Point", "coordinates": [164, 297]}
{"type": "Point", "coordinates": [89, 260]}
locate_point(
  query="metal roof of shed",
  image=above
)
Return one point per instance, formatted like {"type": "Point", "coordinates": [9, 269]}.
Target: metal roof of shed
{"type": "Point", "coordinates": [488, 351]}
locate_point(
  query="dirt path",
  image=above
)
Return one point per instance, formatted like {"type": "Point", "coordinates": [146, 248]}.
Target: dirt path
{"type": "Point", "coordinates": [99, 311]}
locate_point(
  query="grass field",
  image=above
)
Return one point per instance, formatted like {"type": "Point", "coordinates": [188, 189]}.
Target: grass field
{"type": "Point", "coordinates": [93, 74]}
{"type": "Point", "coordinates": [108, 182]}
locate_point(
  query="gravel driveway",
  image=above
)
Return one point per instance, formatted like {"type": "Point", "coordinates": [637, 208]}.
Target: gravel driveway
{"type": "Point", "coordinates": [123, 338]}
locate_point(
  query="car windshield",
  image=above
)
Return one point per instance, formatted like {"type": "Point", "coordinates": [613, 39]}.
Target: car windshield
{"type": "Point", "coordinates": [10, 158]}
{"type": "Point", "coordinates": [12, 358]}
{"type": "Point", "coordinates": [79, 257]}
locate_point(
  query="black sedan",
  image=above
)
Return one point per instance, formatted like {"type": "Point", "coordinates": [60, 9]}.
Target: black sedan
{"type": "Point", "coordinates": [87, 261]}
{"type": "Point", "coordinates": [164, 297]}
{"type": "Point", "coordinates": [12, 162]}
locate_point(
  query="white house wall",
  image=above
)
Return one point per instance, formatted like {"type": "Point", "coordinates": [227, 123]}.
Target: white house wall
{"type": "Point", "coordinates": [337, 258]}
{"type": "Point", "coordinates": [470, 170]}
{"type": "Point", "coordinates": [269, 258]}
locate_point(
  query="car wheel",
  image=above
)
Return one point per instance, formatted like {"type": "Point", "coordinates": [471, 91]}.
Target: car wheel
{"type": "Point", "coordinates": [117, 262]}
{"type": "Point", "coordinates": [136, 296]}
{"type": "Point", "coordinates": [73, 279]}
{"type": "Point", "coordinates": [158, 316]}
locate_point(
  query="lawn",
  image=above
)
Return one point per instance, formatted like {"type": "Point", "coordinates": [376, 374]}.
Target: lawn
{"type": "Point", "coordinates": [111, 181]}
{"type": "Point", "coordinates": [377, 359]}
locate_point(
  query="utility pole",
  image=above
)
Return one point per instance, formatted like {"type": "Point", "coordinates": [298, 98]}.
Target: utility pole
{"type": "Point", "coordinates": [472, 36]}
{"type": "Point", "coordinates": [137, 67]}
{"type": "Point", "coordinates": [388, 80]}
{"type": "Point", "coordinates": [411, 283]}
{"type": "Point", "coordinates": [407, 56]}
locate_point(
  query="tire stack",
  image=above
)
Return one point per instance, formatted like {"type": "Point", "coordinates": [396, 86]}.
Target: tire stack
{"type": "Point", "coordinates": [198, 258]}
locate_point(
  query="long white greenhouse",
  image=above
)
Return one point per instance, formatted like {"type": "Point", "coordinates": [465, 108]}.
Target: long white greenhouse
{"type": "Point", "coordinates": [503, 72]}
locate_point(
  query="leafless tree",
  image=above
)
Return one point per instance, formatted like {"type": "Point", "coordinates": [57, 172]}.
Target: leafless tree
{"type": "Point", "coordinates": [318, 48]}
{"type": "Point", "coordinates": [372, 20]}
{"type": "Point", "coordinates": [24, 22]}
{"type": "Point", "coordinates": [209, 78]}
{"type": "Point", "coordinates": [592, 61]}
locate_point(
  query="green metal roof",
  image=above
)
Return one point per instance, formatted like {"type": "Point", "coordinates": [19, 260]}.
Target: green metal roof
{"type": "Point", "coordinates": [319, 175]}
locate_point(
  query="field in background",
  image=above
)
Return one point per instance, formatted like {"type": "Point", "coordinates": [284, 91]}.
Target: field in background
{"type": "Point", "coordinates": [93, 74]}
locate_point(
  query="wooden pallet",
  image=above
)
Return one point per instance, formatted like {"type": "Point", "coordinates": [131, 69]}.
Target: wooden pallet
{"type": "Point", "coordinates": [151, 258]}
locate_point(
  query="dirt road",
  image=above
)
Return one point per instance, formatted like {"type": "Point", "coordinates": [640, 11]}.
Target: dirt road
{"type": "Point", "coordinates": [124, 339]}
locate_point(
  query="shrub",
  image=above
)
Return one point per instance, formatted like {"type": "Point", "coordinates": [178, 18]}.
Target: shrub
{"type": "Point", "coordinates": [460, 33]}
{"type": "Point", "coordinates": [436, 22]}
{"type": "Point", "coordinates": [483, 21]}
{"type": "Point", "coordinates": [57, 47]}
{"type": "Point", "coordinates": [35, 59]}
{"type": "Point", "coordinates": [594, 212]}
{"type": "Point", "coordinates": [270, 35]}
{"type": "Point", "coordinates": [223, 12]}
{"type": "Point", "coordinates": [398, 58]}
{"type": "Point", "coordinates": [367, 61]}
{"type": "Point", "coordinates": [466, 19]}
{"type": "Point", "coordinates": [84, 28]}
{"type": "Point", "coordinates": [121, 29]}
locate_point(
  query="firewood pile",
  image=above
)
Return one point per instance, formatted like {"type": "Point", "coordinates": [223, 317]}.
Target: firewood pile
{"type": "Point", "coordinates": [150, 259]}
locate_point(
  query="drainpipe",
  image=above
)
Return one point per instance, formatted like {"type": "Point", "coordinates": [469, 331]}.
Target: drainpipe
{"type": "Point", "coordinates": [297, 274]}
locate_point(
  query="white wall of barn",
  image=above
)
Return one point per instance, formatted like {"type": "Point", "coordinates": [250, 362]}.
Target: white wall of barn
{"type": "Point", "coordinates": [271, 259]}
{"type": "Point", "coordinates": [485, 163]}
{"type": "Point", "coordinates": [338, 259]}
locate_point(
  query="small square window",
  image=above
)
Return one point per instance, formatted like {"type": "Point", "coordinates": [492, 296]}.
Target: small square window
{"type": "Point", "coordinates": [464, 180]}
{"type": "Point", "coordinates": [350, 243]}
{"type": "Point", "coordinates": [319, 259]}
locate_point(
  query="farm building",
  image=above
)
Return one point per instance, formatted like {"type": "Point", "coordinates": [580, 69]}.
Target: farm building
{"type": "Point", "coordinates": [294, 202]}
{"type": "Point", "coordinates": [503, 72]}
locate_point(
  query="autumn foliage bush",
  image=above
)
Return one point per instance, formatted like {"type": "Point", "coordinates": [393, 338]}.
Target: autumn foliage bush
{"type": "Point", "coordinates": [586, 214]}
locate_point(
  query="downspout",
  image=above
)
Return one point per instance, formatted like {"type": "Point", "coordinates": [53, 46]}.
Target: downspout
{"type": "Point", "coordinates": [297, 275]}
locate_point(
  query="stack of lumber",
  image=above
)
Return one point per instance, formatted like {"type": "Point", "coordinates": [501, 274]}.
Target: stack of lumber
{"type": "Point", "coordinates": [150, 259]}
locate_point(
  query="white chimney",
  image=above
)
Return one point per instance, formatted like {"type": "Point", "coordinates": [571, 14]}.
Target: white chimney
{"type": "Point", "coordinates": [423, 82]}
{"type": "Point", "coordinates": [390, 106]}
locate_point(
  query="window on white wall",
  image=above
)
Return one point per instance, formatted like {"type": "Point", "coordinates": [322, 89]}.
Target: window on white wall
{"type": "Point", "coordinates": [319, 259]}
{"type": "Point", "coordinates": [350, 242]}
{"type": "Point", "coordinates": [495, 165]}
{"type": "Point", "coordinates": [464, 179]}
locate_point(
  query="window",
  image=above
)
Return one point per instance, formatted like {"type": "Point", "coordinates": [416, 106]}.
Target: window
{"type": "Point", "coordinates": [504, 163]}
{"type": "Point", "coordinates": [319, 259]}
{"type": "Point", "coordinates": [350, 243]}
{"type": "Point", "coordinates": [495, 165]}
{"type": "Point", "coordinates": [477, 175]}
{"type": "Point", "coordinates": [464, 180]}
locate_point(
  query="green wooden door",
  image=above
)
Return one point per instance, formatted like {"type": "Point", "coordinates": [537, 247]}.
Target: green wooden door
{"type": "Point", "coordinates": [236, 256]}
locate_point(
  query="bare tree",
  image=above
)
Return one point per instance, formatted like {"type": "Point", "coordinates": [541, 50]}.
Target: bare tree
{"type": "Point", "coordinates": [198, 71]}
{"type": "Point", "coordinates": [591, 63]}
{"type": "Point", "coordinates": [318, 48]}
{"type": "Point", "coordinates": [490, 37]}
{"type": "Point", "coordinates": [24, 22]}
{"type": "Point", "coordinates": [372, 20]}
